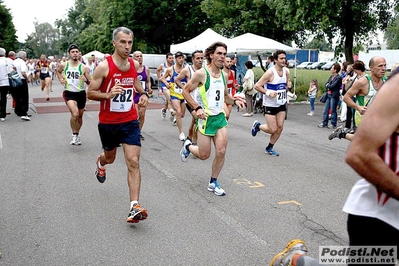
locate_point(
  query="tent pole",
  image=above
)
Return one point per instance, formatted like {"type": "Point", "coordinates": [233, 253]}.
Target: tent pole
{"type": "Point", "coordinates": [295, 74]}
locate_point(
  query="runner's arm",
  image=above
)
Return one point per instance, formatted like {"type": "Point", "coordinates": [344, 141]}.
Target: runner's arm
{"type": "Point", "coordinates": [182, 75]}
{"type": "Point", "coordinates": [354, 90]}
{"type": "Point", "coordinates": [59, 74]}
{"type": "Point", "coordinates": [266, 77]}
{"type": "Point", "coordinates": [158, 71]}
{"type": "Point", "coordinates": [383, 115]}
{"type": "Point", "coordinates": [148, 82]}
{"type": "Point", "coordinates": [165, 75]}
{"type": "Point", "coordinates": [196, 80]}
{"type": "Point", "coordinates": [99, 75]}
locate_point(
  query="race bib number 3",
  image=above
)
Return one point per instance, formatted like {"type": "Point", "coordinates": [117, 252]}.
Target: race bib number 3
{"type": "Point", "coordinates": [214, 100]}
{"type": "Point", "coordinates": [122, 102]}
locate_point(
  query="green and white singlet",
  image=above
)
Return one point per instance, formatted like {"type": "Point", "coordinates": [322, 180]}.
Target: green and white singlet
{"type": "Point", "coordinates": [71, 75]}
{"type": "Point", "coordinates": [212, 94]}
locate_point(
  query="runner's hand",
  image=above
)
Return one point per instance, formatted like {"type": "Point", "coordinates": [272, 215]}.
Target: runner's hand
{"type": "Point", "coordinates": [143, 101]}
{"type": "Point", "coordinates": [240, 102]}
{"type": "Point", "coordinates": [117, 89]}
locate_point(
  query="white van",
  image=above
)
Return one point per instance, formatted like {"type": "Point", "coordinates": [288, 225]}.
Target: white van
{"type": "Point", "coordinates": [152, 61]}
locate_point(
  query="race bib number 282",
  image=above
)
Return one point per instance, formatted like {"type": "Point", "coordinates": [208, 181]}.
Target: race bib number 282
{"type": "Point", "coordinates": [122, 102]}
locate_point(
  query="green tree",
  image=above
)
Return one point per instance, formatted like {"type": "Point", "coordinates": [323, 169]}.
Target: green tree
{"type": "Point", "coordinates": [391, 35]}
{"type": "Point", "coordinates": [78, 19]}
{"type": "Point", "coordinates": [8, 38]}
{"type": "Point", "coordinates": [44, 40]}
{"type": "Point", "coordinates": [235, 17]}
{"type": "Point", "coordinates": [349, 20]}
{"type": "Point", "coordinates": [156, 24]}
{"type": "Point", "coordinates": [319, 43]}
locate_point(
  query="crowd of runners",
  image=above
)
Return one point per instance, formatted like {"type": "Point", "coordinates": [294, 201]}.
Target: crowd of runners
{"type": "Point", "coordinates": [207, 89]}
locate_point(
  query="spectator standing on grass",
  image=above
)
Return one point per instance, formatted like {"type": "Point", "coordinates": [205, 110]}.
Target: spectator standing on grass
{"type": "Point", "coordinates": [346, 68]}
{"type": "Point", "coordinates": [333, 87]}
{"type": "Point", "coordinates": [249, 88]}
{"type": "Point", "coordinates": [312, 92]}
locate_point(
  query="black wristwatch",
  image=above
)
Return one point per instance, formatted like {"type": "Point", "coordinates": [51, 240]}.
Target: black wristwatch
{"type": "Point", "coordinates": [146, 94]}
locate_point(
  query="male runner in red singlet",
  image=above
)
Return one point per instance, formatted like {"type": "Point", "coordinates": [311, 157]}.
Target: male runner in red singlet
{"type": "Point", "coordinates": [43, 66]}
{"type": "Point", "coordinates": [113, 84]}
{"type": "Point", "coordinates": [232, 85]}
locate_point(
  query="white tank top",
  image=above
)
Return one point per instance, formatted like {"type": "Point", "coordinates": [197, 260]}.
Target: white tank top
{"type": "Point", "coordinates": [366, 200]}
{"type": "Point", "coordinates": [279, 85]}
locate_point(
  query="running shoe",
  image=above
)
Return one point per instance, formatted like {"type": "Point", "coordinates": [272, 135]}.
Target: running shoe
{"type": "Point", "coordinates": [100, 173]}
{"type": "Point", "coordinates": [321, 125]}
{"type": "Point", "coordinates": [335, 133]}
{"type": "Point", "coordinates": [284, 258]}
{"type": "Point", "coordinates": [255, 128]}
{"type": "Point", "coordinates": [182, 137]}
{"type": "Point", "coordinates": [184, 152]}
{"type": "Point", "coordinates": [215, 188]}
{"type": "Point", "coordinates": [172, 115]}
{"type": "Point", "coordinates": [25, 118]}
{"type": "Point", "coordinates": [78, 141]}
{"type": "Point", "coordinates": [163, 113]}
{"type": "Point", "coordinates": [73, 141]}
{"type": "Point", "coordinates": [137, 214]}
{"type": "Point", "coordinates": [271, 152]}
{"type": "Point", "coordinates": [174, 121]}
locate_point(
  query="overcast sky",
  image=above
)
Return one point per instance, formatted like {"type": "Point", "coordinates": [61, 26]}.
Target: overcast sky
{"type": "Point", "coordinates": [25, 12]}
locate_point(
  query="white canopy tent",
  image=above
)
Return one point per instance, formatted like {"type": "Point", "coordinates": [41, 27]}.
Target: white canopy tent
{"type": "Point", "coordinates": [200, 42]}
{"type": "Point", "coordinates": [252, 44]}
{"type": "Point", "coordinates": [97, 54]}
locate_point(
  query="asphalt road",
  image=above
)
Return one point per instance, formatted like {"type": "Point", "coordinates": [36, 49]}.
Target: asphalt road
{"type": "Point", "coordinates": [53, 211]}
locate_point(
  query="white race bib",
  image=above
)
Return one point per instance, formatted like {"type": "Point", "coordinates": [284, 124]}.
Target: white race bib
{"type": "Point", "coordinates": [179, 90]}
{"type": "Point", "coordinates": [122, 102]}
{"type": "Point", "coordinates": [143, 85]}
{"type": "Point", "coordinates": [281, 97]}
{"type": "Point", "coordinates": [214, 100]}
{"type": "Point", "coordinates": [44, 70]}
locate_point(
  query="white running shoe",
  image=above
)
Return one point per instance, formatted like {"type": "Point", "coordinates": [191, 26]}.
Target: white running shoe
{"type": "Point", "coordinates": [172, 115]}
{"type": "Point", "coordinates": [75, 140]}
{"type": "Point", "coordinates": [215, 188]}
{"type": "Point", "coordinates": [182, 137]}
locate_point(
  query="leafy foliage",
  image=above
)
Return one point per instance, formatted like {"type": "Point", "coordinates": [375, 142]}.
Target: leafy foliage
{"type": "Point", "coordinates": [44, 40]}
{"type": "Point", "coordinates": [349, 20]}
{"type": "Point", "coordinates": [320, 43]}
{"type": "Point", "coordinates": [235, 17]}
{"type": "Point", "coordinates": [8, 38]}
{"type": "Point", "coordinates": [392, 32]}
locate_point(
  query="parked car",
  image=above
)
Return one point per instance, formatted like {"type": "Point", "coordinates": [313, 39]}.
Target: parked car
{"type": "Point", "coordinates": [292, 63]}
{"type": "Point", "coordinates": [303, 65]}
{"type": "Point", "coordinates": [328, 65]}
{"type": "Point", "coordinates": [316, 65]}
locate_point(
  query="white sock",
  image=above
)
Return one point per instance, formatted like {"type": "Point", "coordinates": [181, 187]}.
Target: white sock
{"type": "Point", "coordinates": [132, 203]}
